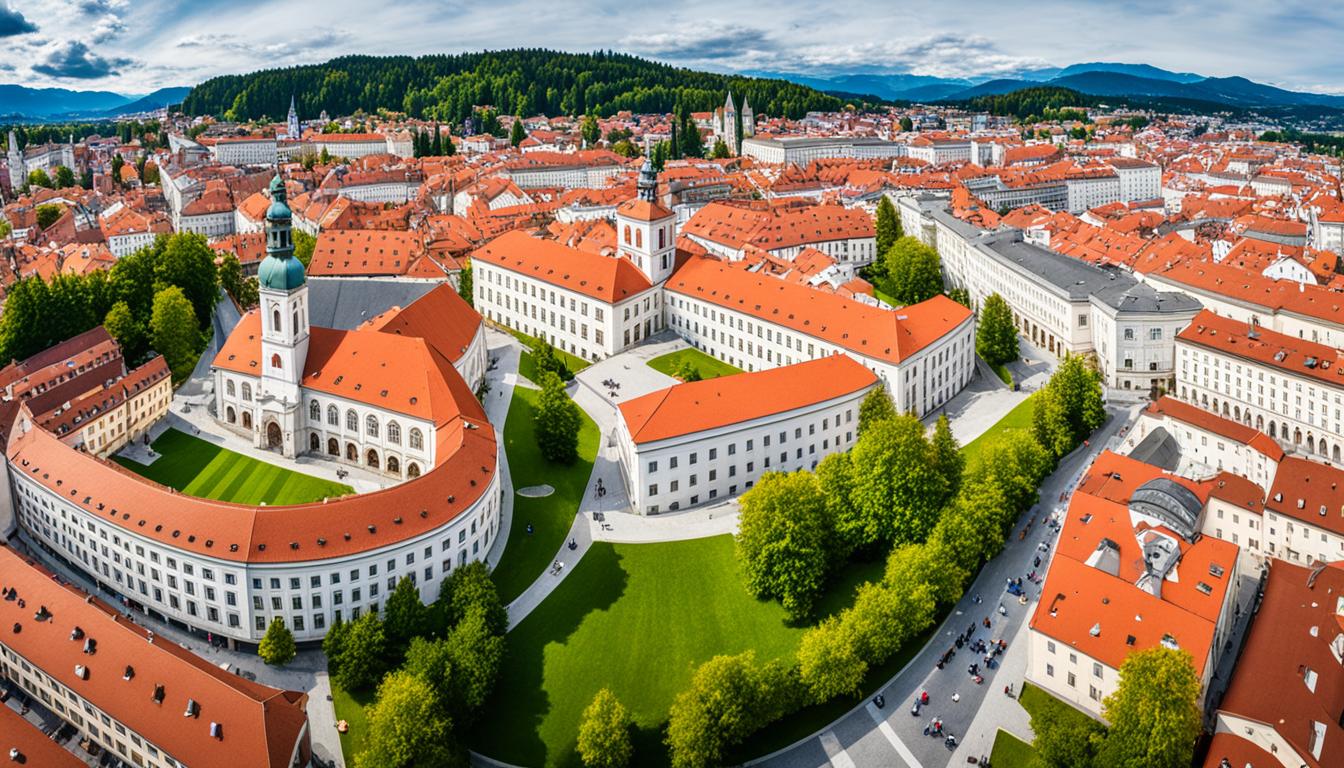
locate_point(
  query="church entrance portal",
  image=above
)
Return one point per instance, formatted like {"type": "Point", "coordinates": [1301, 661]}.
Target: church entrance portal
{"type": "Point", "coordinates": [274, 437]}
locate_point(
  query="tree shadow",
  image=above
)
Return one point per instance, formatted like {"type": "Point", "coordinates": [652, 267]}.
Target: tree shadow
{"type": "Point", "coordinates": [508, 727]}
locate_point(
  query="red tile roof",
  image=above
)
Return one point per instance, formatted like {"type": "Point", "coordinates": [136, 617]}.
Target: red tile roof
{"type": "Point", "coordinates": [442, 318]}
{"type": "Point", "coordinates": [1293, 356]}
{"type": "Point", "coordinates": [33, 746]}
{"type": "Point", "coordinates": [1212, 422]}
{"type": "Point", "coordinates": [261, 726]}
{"type": "Point", "coordinates": [1298, 620]}
{"type": "Point", "coordinates": [1076, 596]}
{"type": "Point", "coordinates": [608, 279]}
{"type": "Point", "coordinates": [683, 409]}
{"type": "Point", "coordinates": [888, 335]}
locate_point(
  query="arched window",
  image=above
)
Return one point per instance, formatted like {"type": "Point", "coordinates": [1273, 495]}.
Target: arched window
{"type": "Point", "coordinates": [295, 326]}
{"type": "Point", "coordinates": [371, 458]}
{"type": "Point", "coordinates": [393, 433]}
{"type": "Point", "coordinates": [412, 470]}
{"type": "Point", "coordinates": [314, 443]}
{"type": "Point", "coordinates": [639, 238]}
{"type": "Point", "coordinates": [371, 425]}
{"type": "Point", "coordinates": [393, 466]}
{"type": "Point", "coordinates": [275, 320]}
{"type": "Point", "coordinates": [230, 415]}
{"type": "Point", "coordinates": [333, 416]}
{"type": "Point", "coordinates": [333, 447]}
{"type": "Point", "coordinates": [247, 392]}
{"type": "Point", "coordinates": [229, 388]}
{"type": "Point", "coordinates": [314, 411]}
{"type": "Point", "coordinates": [275, 362]}
{"type": "Point", "coordinates": [417, 439]}
{"type": "Point", "coordinates": [352, 421]}
{"type": "Point", "coordinates": [627, 234]}
{"type": "Point", "coordinates": [662, 237]}
{"type": "Point", "coordinates": [351, 452]}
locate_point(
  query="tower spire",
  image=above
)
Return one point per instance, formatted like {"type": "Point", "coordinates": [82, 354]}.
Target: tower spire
{"type": "Point", "coordinates": [648, 181]}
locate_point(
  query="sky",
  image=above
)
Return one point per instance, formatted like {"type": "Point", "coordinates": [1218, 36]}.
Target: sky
{"type": "Point", "coordinates": [135, 46]}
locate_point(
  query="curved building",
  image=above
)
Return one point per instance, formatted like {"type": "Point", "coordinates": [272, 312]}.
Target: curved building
{"type": "Point", "coordinates": [379, 395]}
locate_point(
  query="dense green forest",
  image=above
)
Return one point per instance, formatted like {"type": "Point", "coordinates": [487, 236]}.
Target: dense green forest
{"type": "Point", "coordinates": [1032, 104]}
{"type": "Point", "coordinates": [515, 82]}
{"type": "Point", "coordinates": [147, 131]}
{"type": "Point", "coordinates": [1324, 143]}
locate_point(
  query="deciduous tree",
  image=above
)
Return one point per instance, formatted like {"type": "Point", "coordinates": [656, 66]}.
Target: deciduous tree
{"type": "Point", "coordinates": [48, 214]}
{"type": "Point", "coordinates": [604, 732]}
{"type": "Point", "coordinates": [363, 653]}
{"type": "Point", "coordinates": [896, 489]}
{"type": "Point", "coordinates": [914, 271]}
{"type": "Point", "coordinates": [784, 540]}
{"type": "Point", "coordinates": [406, 727]}
{"type": "Point", "coordinates": [128, 331]}
{"type": "Point", "coordinates": [173, 331]}
{"type": "Point", "coordinates": [404, 616]}
{"type": "Point", "coordinates": [887, 225]}
{"type": "Point", "coordinates": [557, 422]}
{"type": "Point", "coordinates": [1154, 712]}
{"type": "Point", "coordinates": [876, 406]}
{"type": "Point", "coordinates": [996, 337]}
{"type": "Point", "coordinates": [277, 645]}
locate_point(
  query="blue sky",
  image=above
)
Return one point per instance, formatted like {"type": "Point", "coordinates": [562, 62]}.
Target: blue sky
{"type": "Point", "coordinates": [137, 45]}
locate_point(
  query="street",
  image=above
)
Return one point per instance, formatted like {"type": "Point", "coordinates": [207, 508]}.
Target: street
{"type": "Point", "coordinates": [891, 736]}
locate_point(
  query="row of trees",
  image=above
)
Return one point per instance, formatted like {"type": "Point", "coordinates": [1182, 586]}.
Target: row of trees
{"type": "Point", "coordinates": [433, 667]}
{"type": "Point", "coordinates": [895, 487]}
{"type": "Point", "coordinates": [433, 144]}
{"type": "Point", "coordinates": [160, 279]}
{"type": "Point", "coordinates": [797, 529]}
{"type": "Point", "coordinates": [1154, 716]}
{"type": "Point", "coordinates": [518, 82]}
{"type": "Point", "coordinates": [1068, 408]}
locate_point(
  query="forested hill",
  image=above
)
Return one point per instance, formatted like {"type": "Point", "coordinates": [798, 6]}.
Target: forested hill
{"type": "Point", "coordinates": [517, 82]}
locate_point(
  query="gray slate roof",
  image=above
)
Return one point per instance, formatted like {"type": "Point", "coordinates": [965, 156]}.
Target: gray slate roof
{"type": "Point", "coordinates": [343, 303]}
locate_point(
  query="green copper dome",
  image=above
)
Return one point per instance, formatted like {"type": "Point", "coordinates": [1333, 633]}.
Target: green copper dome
{"type": "Point", "coordinates": [279, 209]}
{"type": "Point", "coordinates": [280, 274]}
{"type": "Point", "coordinates": [279, 271]}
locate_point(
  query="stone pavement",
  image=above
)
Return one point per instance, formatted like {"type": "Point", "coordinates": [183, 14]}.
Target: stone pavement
{"type": "Point", "coordinates": [503, 352]}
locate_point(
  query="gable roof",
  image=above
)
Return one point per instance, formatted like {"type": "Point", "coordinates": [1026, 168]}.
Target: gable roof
{"type": "Point", "coordinates": [881, 334]}
{"type": "Point", "coordinates": [696, 406]}
{"type": "Point", "coordinates": [607, 279]}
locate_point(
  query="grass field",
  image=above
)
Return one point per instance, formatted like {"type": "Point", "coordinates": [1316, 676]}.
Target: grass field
{"type": "Point", "coordinates": [350, 708]}
{"type": "Point", "coordinates": [527, 367]}
{"type": "Point", "coordinates": [635, 618]}
{"type": "Point", "coordinates": [527, 557]}
{"type": "Point", "coordinates": [709, 367]}
{"type": "Point", "coordinates": [1018, 418]}
{"type": "Point", "coordinates": [198, 468]}
{"type": "Point", "coordinates": [1011, 752]}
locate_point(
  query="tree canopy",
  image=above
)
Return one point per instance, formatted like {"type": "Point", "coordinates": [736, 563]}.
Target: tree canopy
{"type": "Point", "coordinates": [914, 271]}
{"type": "Point", "coordinates": [519, 82]}
{"type": "Point", "coordinates": [784, 542]}
{"type": "Point", "coordinates": [996, 337]}
{"type": "Point", "coordinates": [557, 421]}
{"type": "Point", "coordinates": [277, 645]}
{"type": "Point", "coordinates": [604, 732]}
{"type": "Point", "coordinates": [1154, 712]}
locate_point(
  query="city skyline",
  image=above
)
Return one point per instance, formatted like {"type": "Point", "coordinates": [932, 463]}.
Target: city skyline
{"type": "Point", "coordinates": [137, 47]}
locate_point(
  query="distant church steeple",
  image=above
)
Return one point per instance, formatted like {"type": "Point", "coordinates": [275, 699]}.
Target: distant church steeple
{"type": "Point", "coordinates": [648, 182]}
{"type": "Point", "coordinates": [292, 124]}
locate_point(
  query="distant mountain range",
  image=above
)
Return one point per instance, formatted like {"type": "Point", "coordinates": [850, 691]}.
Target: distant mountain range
{"type": "Point", "coordinates": [1096, 78]}
{"type": "Point", "coordinates": [17, 101]}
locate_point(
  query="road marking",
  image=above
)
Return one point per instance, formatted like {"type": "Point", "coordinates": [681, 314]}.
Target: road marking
{"type": "Point", "coordinates": [890, 733]}
{"type": "Point", "coordinates": [839, 757]}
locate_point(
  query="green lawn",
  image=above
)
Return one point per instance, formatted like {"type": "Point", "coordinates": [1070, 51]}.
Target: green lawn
{"type": "Point", "coordinates": [350, 708]}
{"type": "Point", "coordinates": [527, 368]}
{"type": "Point", "coordinates": [526, 557]}
{"type": "Point", "coordinates": [635, 618]}
{"type": "Point", "coordinates": [884, 296]}
{"type": "Point", "coordinates": [709, 367]}
{"type": "Point", "coordinates": [1018, 418]}
{"type": "Point", "coordinates": [1005, 375]}
{"type": "Point", "coordinates": [1011, 752]}
{"type": "Point", "coordinates": [198, 468]}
